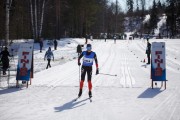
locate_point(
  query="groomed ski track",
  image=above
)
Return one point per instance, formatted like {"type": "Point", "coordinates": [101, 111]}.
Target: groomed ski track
{"type": "Point", "coordinates": [127, 96]}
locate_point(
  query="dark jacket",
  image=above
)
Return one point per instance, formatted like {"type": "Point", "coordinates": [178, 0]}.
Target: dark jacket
{"type": "Point", "coordinates": [4, 55]}
{"type": "Point", "coordinates": [79, 49]}
{"type": "Point", "coordinates": [41, 43]}
{"type": "Point", "coordinates": [55, 42]}
{"type": "Point", "coordinates": [148, 49]}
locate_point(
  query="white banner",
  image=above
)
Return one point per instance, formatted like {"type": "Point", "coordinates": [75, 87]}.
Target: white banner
{"type": "Point", "coordinates": [24, 61]}
{"type": "Point", "coordinates": [158, 65]}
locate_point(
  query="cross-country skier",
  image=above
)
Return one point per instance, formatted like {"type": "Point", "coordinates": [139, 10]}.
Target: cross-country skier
{"type": "Point", "coordinates": [49, 54]}
{"type": "Point", "coordinates": [88, 58]}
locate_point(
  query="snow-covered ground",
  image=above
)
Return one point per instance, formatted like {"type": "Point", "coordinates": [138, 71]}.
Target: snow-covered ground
{"type": "Point", "coordinates": [127, 96]}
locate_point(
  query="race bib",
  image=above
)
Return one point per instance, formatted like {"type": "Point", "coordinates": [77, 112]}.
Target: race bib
{"type": "Point", "coordinates": [87, 60]}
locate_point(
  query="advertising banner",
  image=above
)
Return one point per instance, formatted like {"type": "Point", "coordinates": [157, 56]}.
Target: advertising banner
{"type": "Point", "coordinates": [158, 59]}
{"type": "Point", "coordinates": [24, 61]}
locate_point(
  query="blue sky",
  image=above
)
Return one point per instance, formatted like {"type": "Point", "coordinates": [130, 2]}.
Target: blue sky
{"type": "Point", "coordinates": [124, 7]}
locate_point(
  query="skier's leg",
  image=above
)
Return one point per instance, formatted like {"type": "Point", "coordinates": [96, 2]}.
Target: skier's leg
{"type": "Point", "coordinates": [83, 73]}
{"type": "Point", "coordinates": [148, 58]}
{"type": "Point", "coordinates": [49, 62]}
{"type": "Point", "coordinates": [89, 72]}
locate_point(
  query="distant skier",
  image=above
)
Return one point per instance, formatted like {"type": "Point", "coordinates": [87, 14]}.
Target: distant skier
{"type": "Point", "coordinates": [49, 54]}
{"type": "Point", "coordinates": [41, 44]}
{"type": "Point", "coordinates": [105, 37]}
{"type": "Point", "coordinates": [5, 60]}
{"type": "Point", "coordinates": [55, 44]}
{"type": "Point", "coordinates": [148, 51]}
{"type": "Point", "coordinates": [88, 57]}
{"type": "Point", "coordinates": [115, 39]}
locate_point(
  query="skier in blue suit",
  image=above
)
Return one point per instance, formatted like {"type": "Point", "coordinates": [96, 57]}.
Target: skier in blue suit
{"type": "Point", "coordinates": [88, 58]}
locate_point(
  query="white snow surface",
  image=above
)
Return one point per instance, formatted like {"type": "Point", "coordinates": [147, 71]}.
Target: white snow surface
{"type": "Point", "coordinates": [160, 23]}
{"type": "Point", "coordinates": [147, 18]}
{"type": "Point", "coordinates": [127, 96]}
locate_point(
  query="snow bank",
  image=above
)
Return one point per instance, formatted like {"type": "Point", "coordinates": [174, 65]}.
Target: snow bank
{"type": "Point", "coordinates": [147, 18]}
{"type": "Point", "coordinates": [160, 23]}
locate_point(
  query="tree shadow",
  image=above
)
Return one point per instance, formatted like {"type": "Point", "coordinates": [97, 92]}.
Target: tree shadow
{"type": "Point", "coordinates": [70, 105]}
{"type": "Point", "coordinates": [9, 90]}
{"type": "Point", "coordinates": [150, 93]}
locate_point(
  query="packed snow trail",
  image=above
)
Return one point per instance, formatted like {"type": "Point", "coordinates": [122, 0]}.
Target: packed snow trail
{"type": "Point", "coordinates": [127, 96]}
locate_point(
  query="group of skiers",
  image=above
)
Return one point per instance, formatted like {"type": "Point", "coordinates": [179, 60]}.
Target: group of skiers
{"type": "Point", "coordinates": [88, 57]}
{"type": "Point", "coordinates": [115, 37]}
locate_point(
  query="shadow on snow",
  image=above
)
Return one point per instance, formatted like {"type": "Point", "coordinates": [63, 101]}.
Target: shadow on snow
{"type": "Point", "coordinates": [9, 90]}
{"type": "Point", "coordinates": [70, 105]}
{"type": "Point", "coordinates": [150, 93]}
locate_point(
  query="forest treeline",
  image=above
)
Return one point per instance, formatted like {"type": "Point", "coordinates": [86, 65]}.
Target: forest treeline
{"type": "Point", "coordinates": [54, 19]}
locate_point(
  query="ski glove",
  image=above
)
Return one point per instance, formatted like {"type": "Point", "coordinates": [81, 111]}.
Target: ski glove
{"type": "Point", "coordinates": [97, 71]}
{"type": "Point", "coordinates": [79, 63]}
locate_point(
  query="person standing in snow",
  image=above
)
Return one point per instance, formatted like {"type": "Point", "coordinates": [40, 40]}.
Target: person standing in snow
{"type": "Point", "coordinates": [79, 49]}
{"type": "Point", "coordinates": [148, 51]}
{"type": "Point", "coordinates": [49, 54]}
{"type": "Point", "coordinates": [5, 60]}
{"type": "Point", "coordinates": [105, 37]}
{"type": "Point", "coordinates": [88, 58]}
{"type": "Point", "coordinates": [41, 44]}
{"type": "Point", "coordinates": [115, 39]}
{"type": "Point", "coordinates": [55, 44]}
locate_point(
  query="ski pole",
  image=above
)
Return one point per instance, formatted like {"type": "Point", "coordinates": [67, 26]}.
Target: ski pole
{"type": "Point", "coordinates": [107, 74]}
{"type": "Point", "coordinates": [79, 69]}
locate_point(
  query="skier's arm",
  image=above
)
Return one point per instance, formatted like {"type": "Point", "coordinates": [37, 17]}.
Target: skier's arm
{"type": "Point", "coordinates": [79, 58]}
{"type": "Point", "coordinates": [9, 55]}
{"type": "Point", "coordinates": [96, 61]}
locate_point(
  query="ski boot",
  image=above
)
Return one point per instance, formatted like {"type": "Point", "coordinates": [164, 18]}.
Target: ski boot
{"type": "Point", "coordinates": [90, 94]}
{"type": "Point", "coordinates": [80, 93]}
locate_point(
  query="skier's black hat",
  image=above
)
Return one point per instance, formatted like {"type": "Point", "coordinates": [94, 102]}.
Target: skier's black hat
{"type": "Point", "coordinates": [88, 45]}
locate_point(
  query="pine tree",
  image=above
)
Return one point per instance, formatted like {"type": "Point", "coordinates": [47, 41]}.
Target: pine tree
{"type": "Point", "coordinates": [154, 17]}
{"type": "Point", "coordinates": [130, 4]}
{"type": "Point", "coordinates": [171, 18]}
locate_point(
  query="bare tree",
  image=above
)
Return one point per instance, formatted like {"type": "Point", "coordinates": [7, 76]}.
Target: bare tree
{"type": "Point", "coordinates": [7, 22]}
{"type": "Point", "coordinates": [37, 17]}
